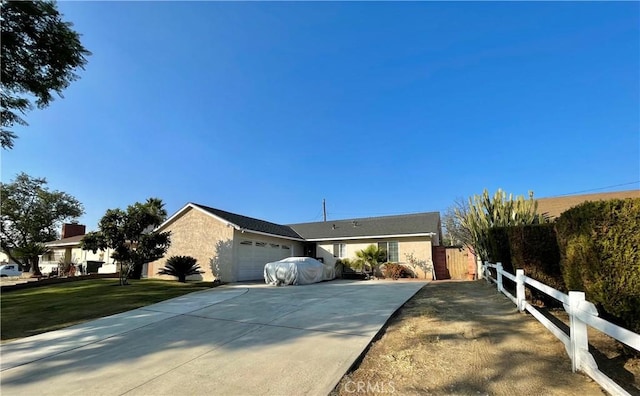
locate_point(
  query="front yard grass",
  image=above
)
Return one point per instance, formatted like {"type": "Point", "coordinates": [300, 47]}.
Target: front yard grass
{"type": "Point", "coordinates": [37, 310]}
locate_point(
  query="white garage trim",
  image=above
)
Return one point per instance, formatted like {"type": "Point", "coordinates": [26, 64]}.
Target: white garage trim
{"type": "Point", "coordinates": [253, 254]}
{"type": "Point", "coordinates": [244, 230]}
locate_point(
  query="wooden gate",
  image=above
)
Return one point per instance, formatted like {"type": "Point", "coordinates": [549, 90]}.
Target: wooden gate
{"type": "Point", "coordinates": [457, 262]}
{"type": "Point", "coordinates": [452, 262]}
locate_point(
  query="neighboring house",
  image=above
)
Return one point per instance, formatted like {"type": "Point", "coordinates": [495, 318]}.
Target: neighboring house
{"type": "Point", "coordinates": [4, 259]}
{"type": "Point", "coordinates": [67, 249]}
{"type": "Point", "coordinates": [554, 206]}
{"type": "Point", "coordinates": [236, 248]}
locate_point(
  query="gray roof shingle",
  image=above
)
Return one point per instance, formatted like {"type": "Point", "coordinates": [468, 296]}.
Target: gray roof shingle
{"type": "Point", "coordinates": [251, 224]}
{"type": "Point", "coordinates": [418, 223]}
{"type": "Point", "coordinates": [65, 241]}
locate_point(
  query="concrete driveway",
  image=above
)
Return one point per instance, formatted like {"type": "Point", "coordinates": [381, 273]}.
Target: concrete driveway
{"type": "Point", "coordinates": [232, 340]}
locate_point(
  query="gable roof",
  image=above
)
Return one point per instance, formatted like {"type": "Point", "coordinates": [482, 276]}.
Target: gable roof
{"type": "Point", "coordinates": [70, 241]}
{"type": "Point", "coordinates": [239, 222]}
{"type": "Point", "coordinates": [251, 224]}
{"type": "Point", "coordinates": [554, 206]}
{"type": "Point", "coordinates": [417, 224]}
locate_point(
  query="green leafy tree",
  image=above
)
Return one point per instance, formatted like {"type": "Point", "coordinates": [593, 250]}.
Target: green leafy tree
{"type": "Point", "coordinates": [469, 222]}
{"type": "Point", "coordinates": [131, 236]}
{"type": "Point", "coordinates": [181, 267]}
{"type": "Point", "coordinates": [31, 215]}
{"type": "Point", "coordinates": [371, 256]}
{"type": "Point", "coordinates": [40, 56]}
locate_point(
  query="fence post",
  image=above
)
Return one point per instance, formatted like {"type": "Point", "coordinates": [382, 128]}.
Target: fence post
{"type": "Point", "coordinates": [480, 267]}
{"type": "Point", "coordinates": [520, 296]}
{"type": "Point", "coordinates": [578, 330]}
{"type": "Point", "coordinates": [484, 271]}
{"type": "Point", "coordinates": [499, 276]}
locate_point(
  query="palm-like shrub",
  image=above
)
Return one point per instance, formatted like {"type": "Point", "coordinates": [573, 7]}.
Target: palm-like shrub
{"type": "Point", "coordinates": [371, 256]}
{"type": "Point", "coordinates": [29, 254]}
{"type": "Point", "coordinates": [181, 267]}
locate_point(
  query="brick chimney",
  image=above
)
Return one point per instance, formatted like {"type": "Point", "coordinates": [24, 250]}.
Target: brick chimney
{"type": "Point", "coordinates": [70, 230]}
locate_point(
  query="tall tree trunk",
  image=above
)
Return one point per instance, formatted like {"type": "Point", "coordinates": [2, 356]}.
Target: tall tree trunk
{"type": "Point", "coordinates": [35, 266]}
{"type": "Point", "coordinates": [123, 273]}
{"type": "Point", "coordinates": [122, 277]}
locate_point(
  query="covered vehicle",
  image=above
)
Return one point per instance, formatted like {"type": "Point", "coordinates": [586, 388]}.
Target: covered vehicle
{"type": "Point", "coordinates": [297, 271]}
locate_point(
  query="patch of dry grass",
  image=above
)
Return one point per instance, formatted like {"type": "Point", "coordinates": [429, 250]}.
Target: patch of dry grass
{"type": "Point", "coordinates": [463, 338]}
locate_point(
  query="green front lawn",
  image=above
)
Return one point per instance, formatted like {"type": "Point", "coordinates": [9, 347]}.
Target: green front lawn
{"type": "Point", "coordinates": [41, 309]}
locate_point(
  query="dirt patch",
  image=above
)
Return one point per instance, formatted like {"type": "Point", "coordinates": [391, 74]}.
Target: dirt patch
{"type": "Point", "coordinates": [608, 353]}
{"type": "Point", "coordinates": [464, 338]}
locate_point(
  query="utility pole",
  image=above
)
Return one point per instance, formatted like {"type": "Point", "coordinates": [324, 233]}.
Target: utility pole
{"type": "Point", "coordinates": [324, 209]}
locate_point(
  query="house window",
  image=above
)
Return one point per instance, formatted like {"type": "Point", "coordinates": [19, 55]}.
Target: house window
{"type": "Point", "coordinates": [246, 243]}
{"type": "Point", "coordinates": [261, 244]}
{"type": "Point", "coordinates": [392, 250]}
{"type": "Point", "coordinates": [287, 247]}
{"type": "Point", "coordinates": [274, 245]}
{"type": "Point", "coordinates": [339, 250]}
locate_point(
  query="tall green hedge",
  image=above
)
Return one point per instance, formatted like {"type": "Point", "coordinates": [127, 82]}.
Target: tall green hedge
{"type": "Point", "coordinates": [532, 248]}
{"type": "Point", "coordinates": [600, 248]}
{"type": "Point", "coordinates": [499, 249]}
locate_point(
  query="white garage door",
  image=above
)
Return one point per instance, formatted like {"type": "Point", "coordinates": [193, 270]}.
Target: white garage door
{"type": "Point", "coordinates": [254, 254]}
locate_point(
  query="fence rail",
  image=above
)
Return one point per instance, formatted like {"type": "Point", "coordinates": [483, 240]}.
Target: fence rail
{"type": "Point", "coordinates": [582, 313]}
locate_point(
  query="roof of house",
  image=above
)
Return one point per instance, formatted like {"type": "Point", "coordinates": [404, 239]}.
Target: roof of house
{"type": "Point", "coordinates": [370, 227]}
{"type": "Point", "coordinates": [554, 206]}
{"type": "Point", "coordinates": [70, 241]}
{"type": "Point", "coordinates": [251, 224]}
{"type": "Point", "coordinates": [399, 225]}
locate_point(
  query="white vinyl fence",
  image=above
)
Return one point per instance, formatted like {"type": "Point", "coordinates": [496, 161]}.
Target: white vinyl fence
{"type": "Point", "coordinates": [582, 313]}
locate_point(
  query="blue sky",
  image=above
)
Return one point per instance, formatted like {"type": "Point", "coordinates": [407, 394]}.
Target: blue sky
{"type": "Point", "coordinates": [264, 109]}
